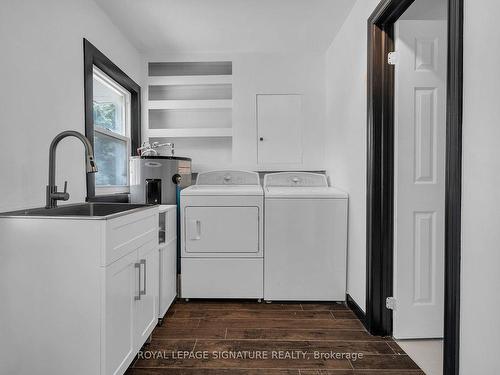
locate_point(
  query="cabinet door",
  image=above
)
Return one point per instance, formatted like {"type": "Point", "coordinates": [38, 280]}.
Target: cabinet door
{"type": "Point", "coordinates": [146, 308]}
{"type": "Point", "coordinates": [279, 127]}
{"type": "Point", "coordinates": [120, 289]}
{"type": "Point", "coordinates": [168, 276]}
{"type": "Point", "coordinates": [171, 224]}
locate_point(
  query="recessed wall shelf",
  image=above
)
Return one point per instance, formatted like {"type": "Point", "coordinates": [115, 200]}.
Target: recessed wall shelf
{"type": "Point", "coordinates": [191, 103]}
{"type": "Point", "coordinates": [189, 133]}
{"type": "Point", "coordinates": [191, 92]}
{"type": "Point", "coordinates": [190, 80]}
{"type": "Point", "coordinates": [190, 118]}
{"type": "Point", "coordinates": [190, 68]}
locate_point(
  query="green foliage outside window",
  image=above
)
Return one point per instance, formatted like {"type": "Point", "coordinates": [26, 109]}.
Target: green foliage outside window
{"type": "Point", "coordinates": [105, 115]}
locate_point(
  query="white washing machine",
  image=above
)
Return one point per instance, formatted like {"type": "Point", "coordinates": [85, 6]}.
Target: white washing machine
{"type": "Point", "coordinates": [305, 238]}
{"type": "Point", "coordinates": [222, 236]}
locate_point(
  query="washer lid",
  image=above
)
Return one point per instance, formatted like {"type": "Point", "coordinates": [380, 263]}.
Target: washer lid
{"type": "Point", "coordinates": [223, 190]}
{"type": "Point", "coordinates": [304, 192]}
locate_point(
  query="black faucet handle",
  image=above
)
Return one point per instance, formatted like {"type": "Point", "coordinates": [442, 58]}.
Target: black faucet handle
{"type": "Point", "coordinates": [65, 195]}
{"type": "Point", "coordinates": [61, 195]}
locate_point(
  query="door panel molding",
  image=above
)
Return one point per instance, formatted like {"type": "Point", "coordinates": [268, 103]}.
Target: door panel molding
{"type": "Point", "coordinates": [380, 173]}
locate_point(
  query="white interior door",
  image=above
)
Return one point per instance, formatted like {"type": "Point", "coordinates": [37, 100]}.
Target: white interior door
{"type": "Point", "coordinates": [279, 127]}
{"type": "Point", "coordinates": [420, 122]}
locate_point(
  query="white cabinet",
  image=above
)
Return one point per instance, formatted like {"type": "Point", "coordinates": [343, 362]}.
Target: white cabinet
{"type": "Point", "coordinates": [131, 293]}
{"type": "Point", "coordinates": [118, 322]}
{"type": "Point", "coordinates": [279, 129]}
{"type": "Point", "coordinates": [76, 295]}
{"type": "Point", "coordinates": [168, 258]}
{"type": "Point", "coordinates": [131, 303]}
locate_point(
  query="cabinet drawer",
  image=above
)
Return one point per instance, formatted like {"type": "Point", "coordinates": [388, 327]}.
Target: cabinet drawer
{"type": "Point", "coordinates": [127, 233]}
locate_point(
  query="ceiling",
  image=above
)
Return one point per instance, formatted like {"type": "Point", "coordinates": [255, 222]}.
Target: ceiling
{"type": "Point", "coordinates": [171, 26]}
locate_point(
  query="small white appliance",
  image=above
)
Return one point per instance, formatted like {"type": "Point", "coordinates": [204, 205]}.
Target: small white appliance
{"type": "Point", "coordinates": [305, 238]}
{"type": "Point", "coordinates": [222, 236]}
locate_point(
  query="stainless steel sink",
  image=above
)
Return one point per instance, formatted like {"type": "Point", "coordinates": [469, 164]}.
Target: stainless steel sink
{"type": "Point", "coordinates": [80, 211]}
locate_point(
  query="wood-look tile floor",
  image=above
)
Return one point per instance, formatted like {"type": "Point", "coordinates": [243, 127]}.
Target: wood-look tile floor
{"type": "Point", "coordinates": [290, 337]}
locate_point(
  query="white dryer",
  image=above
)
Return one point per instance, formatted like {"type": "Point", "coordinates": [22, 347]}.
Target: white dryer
{"type": "Point", "coordinates": [222, 236]}
{"type": "Point", "coordinates": [305, 238]}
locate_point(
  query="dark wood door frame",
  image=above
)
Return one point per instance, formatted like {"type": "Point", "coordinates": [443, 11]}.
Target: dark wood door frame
{"type": "Point", "coordinates": [380, 173]}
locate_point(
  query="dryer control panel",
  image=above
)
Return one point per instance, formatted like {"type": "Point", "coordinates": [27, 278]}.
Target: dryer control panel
{"type": "Point", "coordinates": [228, 178]}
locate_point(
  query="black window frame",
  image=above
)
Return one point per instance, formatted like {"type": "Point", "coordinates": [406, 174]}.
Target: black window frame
{"type": "Point", "coordinates": [93, 57]}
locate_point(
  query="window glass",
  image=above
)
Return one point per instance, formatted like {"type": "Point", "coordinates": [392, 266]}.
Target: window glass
{"type": "Point", "coordinates": [111, 113]}
{"type": "Point", "coordinates": [112, 159]}
{"type": "Point", "coordinates": [109, 107]}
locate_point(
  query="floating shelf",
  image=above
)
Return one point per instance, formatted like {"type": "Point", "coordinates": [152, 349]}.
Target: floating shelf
{"type": "Point", "coordinates": [190, 133]}
{"type": "Point", "coordinates": [190, 68]}
{"type": "Point", "coordinates": [190, 104]}
{"type": "Point", "coordinates": [190, 80]}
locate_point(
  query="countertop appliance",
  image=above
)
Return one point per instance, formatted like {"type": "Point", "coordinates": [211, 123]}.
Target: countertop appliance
{"type": "Point", "coordinates": [306, 238]}
{"type": "Point", "coordinates": [222, 236]}
{"type": "Point", "coordinates": [155, 179]}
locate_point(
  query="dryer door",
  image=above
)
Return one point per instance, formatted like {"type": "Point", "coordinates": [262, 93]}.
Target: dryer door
{"type": "Point", "coordinates": [221, 231]}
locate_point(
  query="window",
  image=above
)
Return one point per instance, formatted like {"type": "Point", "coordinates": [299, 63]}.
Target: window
{"type": "Point", "coordinates": [112, 124]}
{"type": "Point", "coordinates": [111, 116]}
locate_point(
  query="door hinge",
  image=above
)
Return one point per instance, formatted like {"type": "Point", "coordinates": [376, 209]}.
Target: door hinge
{"type": "Point", "coordinates": [390, 303]}
{"type": "Point", "coordinates": [393, 58]}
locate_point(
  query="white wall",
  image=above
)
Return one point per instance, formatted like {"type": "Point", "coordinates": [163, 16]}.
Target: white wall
{"type": "Point", "coordinates": [41, 72]}
{"type": "Point", "coordinates": [346, 134]}
{"type": "Point", "coordinates": [278, 74]}
{"type": "Point", "coordinates": [480, 300]}
{"type": "Point", "coordinates": [264, 73]}
{"type": "Point", "coordinates": [427, 10]}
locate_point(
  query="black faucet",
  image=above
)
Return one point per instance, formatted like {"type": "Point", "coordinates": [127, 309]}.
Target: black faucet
{"type": "Point", "coordinates": [52, 194]}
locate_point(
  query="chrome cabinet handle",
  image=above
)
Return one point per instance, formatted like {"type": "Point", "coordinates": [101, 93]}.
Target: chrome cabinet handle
{"type": "Point", "coordinates": [143, 292]}
{"type": "Point", "coordinates": [138, 297]}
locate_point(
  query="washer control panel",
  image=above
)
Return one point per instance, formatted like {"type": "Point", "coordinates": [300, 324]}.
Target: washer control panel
{"type": "Point", "coordinates": [295, 179]}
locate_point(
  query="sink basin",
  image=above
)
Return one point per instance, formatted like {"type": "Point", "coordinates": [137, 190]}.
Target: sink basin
{"type": "Point", "coordinates": [80, 210]}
